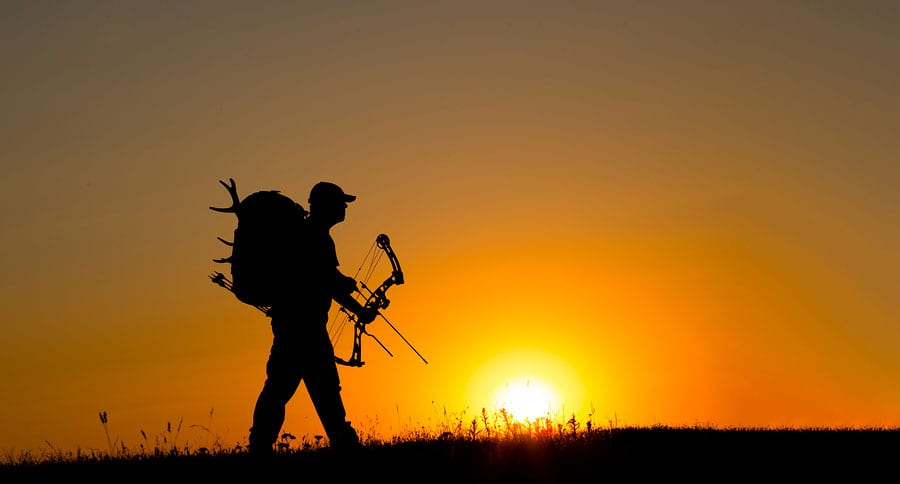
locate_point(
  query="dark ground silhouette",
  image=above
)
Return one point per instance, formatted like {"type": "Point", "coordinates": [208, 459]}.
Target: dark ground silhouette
{"type": "Point", "coordinates": [629, 454]}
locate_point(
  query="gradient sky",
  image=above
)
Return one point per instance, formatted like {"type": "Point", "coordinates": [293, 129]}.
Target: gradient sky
{"type": "Point", "coordinates": [672, 212]}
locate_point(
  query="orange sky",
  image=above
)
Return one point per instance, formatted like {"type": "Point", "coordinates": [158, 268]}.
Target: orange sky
{"type": "Point", "coordinates": [667, 212]}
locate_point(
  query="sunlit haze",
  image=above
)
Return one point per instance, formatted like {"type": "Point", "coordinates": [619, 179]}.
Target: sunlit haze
{"type": "Point", "coordinates": [635, 212]}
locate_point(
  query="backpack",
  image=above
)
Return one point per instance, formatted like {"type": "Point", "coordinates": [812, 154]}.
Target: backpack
{"type": "Point", "coordinates": [265, 252]}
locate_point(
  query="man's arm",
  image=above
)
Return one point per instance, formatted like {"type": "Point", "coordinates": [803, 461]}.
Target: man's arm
{"type": "Point", "coordinates": [344, 288]}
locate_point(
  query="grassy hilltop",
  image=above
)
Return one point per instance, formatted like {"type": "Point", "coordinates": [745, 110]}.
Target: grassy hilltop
{"type": "Point", "coordinates": [540, 451]}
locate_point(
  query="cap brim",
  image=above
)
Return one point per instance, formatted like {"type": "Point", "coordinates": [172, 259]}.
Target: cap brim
{"type": "Point", "coordinates": [349, 198]}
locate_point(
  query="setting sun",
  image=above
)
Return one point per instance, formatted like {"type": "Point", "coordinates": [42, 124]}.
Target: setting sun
{"type": "Point", "coordinates": [527, 399]}
{"type": "Point", "coordinates": [528, 384]}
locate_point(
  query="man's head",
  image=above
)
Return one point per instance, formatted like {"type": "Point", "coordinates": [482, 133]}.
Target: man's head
{"type": "Point", "coordinates": [328, 202]}
{"type": "Point", "coordinates": [326, 192]}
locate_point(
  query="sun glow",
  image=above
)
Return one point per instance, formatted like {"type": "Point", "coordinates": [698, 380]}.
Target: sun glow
{"type": "Point", "coordinates": [528, 384]}
{"type": "Point", "coordinates": [527, 399]}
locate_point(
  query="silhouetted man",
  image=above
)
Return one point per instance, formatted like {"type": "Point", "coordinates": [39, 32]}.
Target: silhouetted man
{"type": "Point", "coordinates": [301, 349]}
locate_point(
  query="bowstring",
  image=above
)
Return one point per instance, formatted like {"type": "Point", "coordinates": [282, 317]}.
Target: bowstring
{"type": "Point", "coordinates": [339, 322]}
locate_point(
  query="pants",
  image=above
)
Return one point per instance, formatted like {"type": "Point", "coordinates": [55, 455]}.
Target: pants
{"type": "Point", "coordinates": [300, 352]}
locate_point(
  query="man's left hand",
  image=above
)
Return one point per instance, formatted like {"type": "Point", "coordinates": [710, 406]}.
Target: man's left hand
{"type": "Point", "coordinates": [367, 315]}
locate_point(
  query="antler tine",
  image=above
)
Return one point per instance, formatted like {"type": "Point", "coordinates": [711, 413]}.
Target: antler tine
{"type": "Point", "coordinates": [235, 200]}
{"type": "Point", "coordinates": [229, 244]}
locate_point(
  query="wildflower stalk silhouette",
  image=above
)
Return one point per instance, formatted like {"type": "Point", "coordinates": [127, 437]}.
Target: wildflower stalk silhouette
{"type": "Point", "coordinates": [105, 421]}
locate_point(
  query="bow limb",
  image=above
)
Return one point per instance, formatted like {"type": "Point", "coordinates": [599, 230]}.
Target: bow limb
{"type": "Point", "coordinates": [355, 359]}
{"type": "Point", "coordinates": [359, 329]}
{"type": "Point", "coordinates": [377, 299]}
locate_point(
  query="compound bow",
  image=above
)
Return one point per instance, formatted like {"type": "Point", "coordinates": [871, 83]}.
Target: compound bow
{"type": "Point", "coordinates": [376, 300]}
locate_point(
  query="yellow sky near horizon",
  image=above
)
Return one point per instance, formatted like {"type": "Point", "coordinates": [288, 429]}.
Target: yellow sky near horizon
{"type": "Point", "coordinates": [666, 212]}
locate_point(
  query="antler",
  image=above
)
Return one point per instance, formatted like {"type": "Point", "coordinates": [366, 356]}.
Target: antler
{"type": "Point", "coordinates": [235, 200]}
{"type": "Point", "coordinates": [224, 260]}
{"type": "Point", "coordinates": [235, 205]}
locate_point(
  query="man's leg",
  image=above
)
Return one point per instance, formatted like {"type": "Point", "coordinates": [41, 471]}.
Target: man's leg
{"type": "Point", "coordinates": [324, 387]}
{"type": "Point", "coordinates": [326, 398]}
{"type": "Point", "coordinates": [282, 381]}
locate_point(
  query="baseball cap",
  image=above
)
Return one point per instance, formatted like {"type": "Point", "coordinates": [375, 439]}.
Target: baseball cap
{"type": "Point", "coordinates": [325, 192]}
